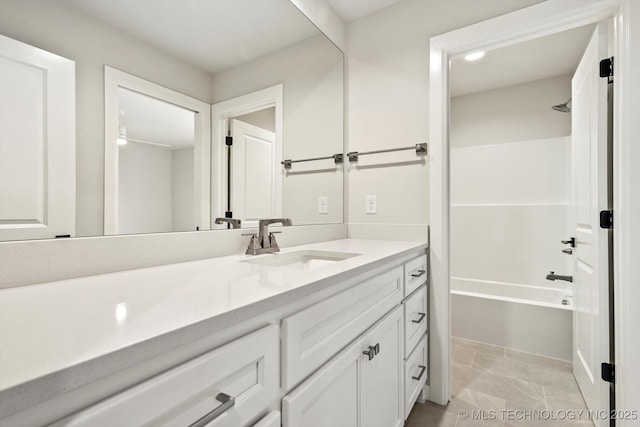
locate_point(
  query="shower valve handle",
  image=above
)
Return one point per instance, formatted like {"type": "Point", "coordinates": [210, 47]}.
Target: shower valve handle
{"type": "Point", "coordinates": [571, 242]}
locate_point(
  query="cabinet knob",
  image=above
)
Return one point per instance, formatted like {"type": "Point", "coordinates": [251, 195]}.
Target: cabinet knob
{"type": "Point", "coordinates": [371, 353]}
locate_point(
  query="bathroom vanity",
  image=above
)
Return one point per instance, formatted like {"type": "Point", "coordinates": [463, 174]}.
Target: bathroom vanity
{"type": "Point", "coordinates": [332, 333]}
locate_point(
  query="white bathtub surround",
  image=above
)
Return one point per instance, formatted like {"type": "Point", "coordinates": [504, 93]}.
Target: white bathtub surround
{"type": "Point", "coordinates": [114, 324]}
{"type": "Point", "coordinates": [509, 210]}
{"type": "Point", "coordinates": [526, 318]}
{"type": "Point", "coordinates": [36, 261]}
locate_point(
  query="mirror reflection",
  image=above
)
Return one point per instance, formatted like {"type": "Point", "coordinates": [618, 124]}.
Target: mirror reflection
{"type": "Point", "coordinates": [175, 171]}
{"type": "Point", "coordinates": [155, 165]}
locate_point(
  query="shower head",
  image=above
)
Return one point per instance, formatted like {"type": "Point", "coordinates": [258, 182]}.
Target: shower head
{"type": "Point", "coordinates": [563, 108]}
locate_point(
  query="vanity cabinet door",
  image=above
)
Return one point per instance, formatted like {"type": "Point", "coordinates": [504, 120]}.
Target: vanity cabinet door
{"type": "Point", "coordinates": [330, 397]}
{"type": "Point", "coordinates": [229, 386]}
{"type": "Point", "coordinates": [363, 386]}
{"type": "Point", "coordinates": [382, 379]}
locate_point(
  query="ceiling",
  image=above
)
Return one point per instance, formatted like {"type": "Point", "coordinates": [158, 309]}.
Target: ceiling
{"type": "Point", "coordinates": [154, 121]}
{"type": "Point", "coordinates": [537, 59]}
{"type": "Point", "coordinates": [213, 35]}
{"type": "Point", "coordinates": [350, 10]}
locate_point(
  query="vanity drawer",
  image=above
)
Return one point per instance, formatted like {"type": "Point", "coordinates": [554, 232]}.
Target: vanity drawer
{"type": "Point", "coordinates": [415, 274]}
{"type": "Point", "coordinates": [314, 335]}
{"type": "Point", "coordinates": [271, 420]}
{"type": "Point", "coordinates": [246, 370]}
{"type": "Point", "coordinates": [415, 319]}
{"type": "Point", "coordinates": [416, 372]}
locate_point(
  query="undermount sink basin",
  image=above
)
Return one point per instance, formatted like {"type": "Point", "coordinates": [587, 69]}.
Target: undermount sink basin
{"type": "Point", "coordinates": [301, 259]}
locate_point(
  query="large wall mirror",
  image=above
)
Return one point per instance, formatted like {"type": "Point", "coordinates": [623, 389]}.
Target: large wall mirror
{"type": "Point", "coordinates": [184, 113]}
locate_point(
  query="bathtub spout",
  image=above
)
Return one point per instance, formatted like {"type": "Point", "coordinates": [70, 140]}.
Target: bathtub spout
{"type": "Point", "coordinates": [552, 276]}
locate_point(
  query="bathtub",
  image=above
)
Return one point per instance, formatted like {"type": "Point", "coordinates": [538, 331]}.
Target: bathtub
{"type": "Point", "coordinates": [527, 318]}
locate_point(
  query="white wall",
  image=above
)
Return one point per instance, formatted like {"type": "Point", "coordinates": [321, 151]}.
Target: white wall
{"type": "Point", "coordinates": [155, 189]}
{"type": "Point", "coordinates": [144, 189]}
{"type": "Point", "coordinates": [388, 96]}
{"type": "Point", "coordinates": [182, 180]}
{"type": "Point", "coordinates": [91, 44]}
{"type": "Point", "coordinates": [312, 73]}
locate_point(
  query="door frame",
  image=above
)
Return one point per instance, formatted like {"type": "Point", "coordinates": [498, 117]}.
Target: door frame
{"type": "Point", "coordinates": [539, 20]}
{"type": "Point", "coordinates": [114, 79]}
{"type": "Point", "coordinates": [221, 112]}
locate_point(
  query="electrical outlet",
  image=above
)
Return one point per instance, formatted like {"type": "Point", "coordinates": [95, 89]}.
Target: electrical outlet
{"type": "Point", "coordinates": [371, 207]}
{"type": "Point", "coordinates": [323, 205]}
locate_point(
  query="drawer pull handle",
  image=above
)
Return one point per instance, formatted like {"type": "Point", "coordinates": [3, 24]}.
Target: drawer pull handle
{"type": "Point", "coordinates": [422, 371]}
{"type": "Point", "coordinates": [371, 353]}
{"type": "Point", "coordinates": [420, 273]}
{"type": "Point", "coordinates": [227, 403]}
{"type": "Point", "coordinates": [421, 317]}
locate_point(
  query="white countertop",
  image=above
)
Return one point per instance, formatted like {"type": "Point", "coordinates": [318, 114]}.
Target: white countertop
{"type": "Point", "coordinates": [56, 325]}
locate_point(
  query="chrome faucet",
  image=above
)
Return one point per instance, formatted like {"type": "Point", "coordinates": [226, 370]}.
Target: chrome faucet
{"type": "Point", "coordinates": [234, 223]}
{"type": "Point", "coordinates": [552, 276]}
{"type": "Point", "coordinates": [265, 241]}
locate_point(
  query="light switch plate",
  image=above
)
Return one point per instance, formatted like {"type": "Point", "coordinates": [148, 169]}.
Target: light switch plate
{"type": "Point", "coordinates": [371, 207]}
{"type": "Point", "coordinates": [323, 205]}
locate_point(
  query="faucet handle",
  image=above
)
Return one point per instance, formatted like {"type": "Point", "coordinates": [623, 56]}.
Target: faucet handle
{"type": "Point", "coordinates": [254, 244]}
{"type": "Point", "coordinates": [272, 239]}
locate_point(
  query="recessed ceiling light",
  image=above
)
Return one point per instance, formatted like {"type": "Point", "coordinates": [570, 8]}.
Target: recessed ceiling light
{"type": "Point", "coordinates": [474, 56]}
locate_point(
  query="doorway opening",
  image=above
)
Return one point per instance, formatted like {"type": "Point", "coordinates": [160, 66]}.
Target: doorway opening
{"type": "Point", "coordinates": [537, 21]}
{"type": "Point", "coordinates": [513, 208]}
{"type": "Point", "coordinates": [246, 150]}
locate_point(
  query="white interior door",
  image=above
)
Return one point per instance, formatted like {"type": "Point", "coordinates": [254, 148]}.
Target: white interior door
{"type": "Point", "coordinates": [253, 169]}
{"type": "Point", "coordinates": [37, 143]}
{"type": "Point", "coordinates": [590, 191]}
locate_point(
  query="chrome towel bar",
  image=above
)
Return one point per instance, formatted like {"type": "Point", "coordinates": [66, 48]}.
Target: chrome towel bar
{"type": "Point", "coordinates": [421, 149]}
{"type": "Point", "coordinates": [337, 158]}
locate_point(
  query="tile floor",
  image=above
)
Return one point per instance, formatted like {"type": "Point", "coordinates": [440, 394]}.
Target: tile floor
{"type": "Point", "coordinates": [504, 388]}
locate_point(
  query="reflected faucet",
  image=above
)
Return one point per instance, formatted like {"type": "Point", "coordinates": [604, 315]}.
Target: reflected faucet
{"type": "Point", "coordinates": [552, 276]}
{"type": "Point", "coordinates": [234, 223]}
{"type": "Point", "coordinates": [265, 242]}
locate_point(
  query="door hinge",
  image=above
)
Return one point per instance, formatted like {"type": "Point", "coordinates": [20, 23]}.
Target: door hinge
{"type": "Point", "coordinates": [228, 214]}
{"type": "Point", "coordinates": [606, 219]}
{"type": "Point", "coordinates": [608, 372]}
{"type": "Point", "coordinates": [606, 68]}
{"type": "Point", "coordinates": [228, 140]}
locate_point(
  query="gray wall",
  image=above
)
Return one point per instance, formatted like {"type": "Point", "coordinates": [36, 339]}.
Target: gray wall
{"type": "Point", "coordinates": [509, 114]}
